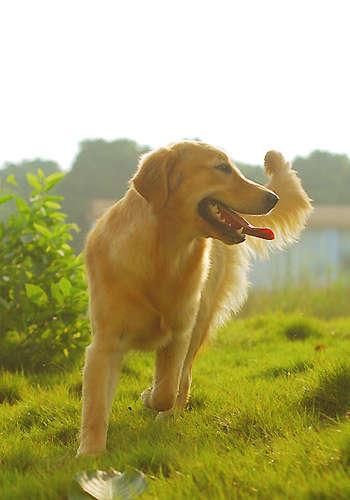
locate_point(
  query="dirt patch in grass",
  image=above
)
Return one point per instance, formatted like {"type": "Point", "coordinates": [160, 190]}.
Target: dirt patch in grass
{"type": "Point", "coordinates": [331, 398]}
{"type": "Point", "coordinates": [131, 372]}
{"type": "Point", "coordinates": [289, 371]}
{"type": "Point", "coordinates": [65, 435]}
{"type": "Point", "coordinates": [9, 395]}
{"type": "Point", "coordinates": [35, 416]}
{"type": "Point", "coordinates": [153, 463]}
{"type": "Point", "coordinates": [196, 402]}
{"type": "Point", "coordinates": [302, 329]}
{"type": "Point", "coordinates": [255, 427]}
{"type": "Point", "coordinates": [76, 389]}
{"type": "Point", "coordinates": [12, 387]}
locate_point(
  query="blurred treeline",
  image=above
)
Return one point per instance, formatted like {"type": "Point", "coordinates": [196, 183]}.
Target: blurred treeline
{"type": "Point", "coordinates": [101, 170]}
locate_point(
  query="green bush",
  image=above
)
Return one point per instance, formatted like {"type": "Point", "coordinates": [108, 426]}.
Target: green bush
{"type": "Point", "coordinates": [43, 297]}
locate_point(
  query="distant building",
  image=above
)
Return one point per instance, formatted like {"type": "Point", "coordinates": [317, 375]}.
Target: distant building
{"type": "Point", "coordinates": [321, 255]}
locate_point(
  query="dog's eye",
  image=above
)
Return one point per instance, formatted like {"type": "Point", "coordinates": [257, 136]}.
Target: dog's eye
{"type": "Point", "coordinates": [224, 168]}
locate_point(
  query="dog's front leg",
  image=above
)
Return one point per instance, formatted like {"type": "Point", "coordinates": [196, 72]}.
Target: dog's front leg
{"type": "Point", "coordinates": [169, 363]}
{"type": "Point", "coordinates": [101, 371]}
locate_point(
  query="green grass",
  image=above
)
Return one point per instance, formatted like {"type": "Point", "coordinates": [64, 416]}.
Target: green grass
{"type": "Point", "coordinates": [328, 301]}
{"type": "Point", "coordinates": [268, 418]}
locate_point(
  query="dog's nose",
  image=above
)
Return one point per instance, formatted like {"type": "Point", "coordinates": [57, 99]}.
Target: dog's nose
{"type": "Point", "coordinates": [270, 200]}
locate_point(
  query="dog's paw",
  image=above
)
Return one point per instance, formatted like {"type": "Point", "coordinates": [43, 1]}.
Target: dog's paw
{"type": "Point", "coordinates": [90, 451]}
{"type": "Point", "coordinates": [146, 397]}
{"type": "Point", "coordinates": [166, 415]}
{"type": "Point", "coordinates": [274, 162]}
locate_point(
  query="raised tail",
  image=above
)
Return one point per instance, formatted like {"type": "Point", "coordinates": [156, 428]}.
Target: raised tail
{"type": "Point", "coordinates": [291, 213]}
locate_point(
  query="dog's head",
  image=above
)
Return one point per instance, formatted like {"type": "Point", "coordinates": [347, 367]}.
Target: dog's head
{"type": "Point", "coordinates": [200, 187]}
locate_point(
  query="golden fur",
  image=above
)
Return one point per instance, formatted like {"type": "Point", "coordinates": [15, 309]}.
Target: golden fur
{"type": "Point", "coordinates": [162, 278]}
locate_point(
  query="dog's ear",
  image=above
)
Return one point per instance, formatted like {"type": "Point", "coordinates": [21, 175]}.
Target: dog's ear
{"type": "Point", "coordinates": [152, 177]}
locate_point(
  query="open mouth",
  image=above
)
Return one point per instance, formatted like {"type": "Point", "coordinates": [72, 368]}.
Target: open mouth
{"type": "Point", "coordinates": [229, 223]}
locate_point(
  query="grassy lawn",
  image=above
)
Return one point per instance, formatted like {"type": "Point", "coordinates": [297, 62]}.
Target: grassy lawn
{"type": "Point", "coordinates": [269, 418]}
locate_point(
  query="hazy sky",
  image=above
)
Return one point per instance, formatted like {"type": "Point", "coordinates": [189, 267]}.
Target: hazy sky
{"type": "Point", "coordinates": [244, 75]}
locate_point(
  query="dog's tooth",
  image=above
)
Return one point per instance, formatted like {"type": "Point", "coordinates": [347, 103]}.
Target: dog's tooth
{"type": "Point", "coordinates": [240, 230]}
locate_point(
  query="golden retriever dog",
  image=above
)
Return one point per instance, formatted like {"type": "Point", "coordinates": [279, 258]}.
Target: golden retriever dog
{"type": "Point", "coordinates": [168, 263]}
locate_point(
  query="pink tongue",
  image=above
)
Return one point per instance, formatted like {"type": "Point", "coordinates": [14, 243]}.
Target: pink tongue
{"type": "Point", "coordinates": [260, 232]}
{"type": "Point", "coordinates": [236, 221]}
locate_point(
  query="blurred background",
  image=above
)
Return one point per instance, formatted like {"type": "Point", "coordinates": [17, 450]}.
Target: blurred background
{"type": "Point", "coordinates": [88, 87]}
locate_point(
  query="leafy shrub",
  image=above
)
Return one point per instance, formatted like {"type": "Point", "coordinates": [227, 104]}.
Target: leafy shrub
{"type": "Point", "coordinates": [43, 297]}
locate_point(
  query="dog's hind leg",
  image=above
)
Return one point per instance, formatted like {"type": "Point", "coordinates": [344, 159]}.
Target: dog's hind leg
{"type": "Point", "coordinates": [224, 293]}
{"type": "Point", "coordinates": [101, 371]}
{"type": "Point", "coordinates": [169, 363]}
{"type": "Point", "coordinates": [199, 335]}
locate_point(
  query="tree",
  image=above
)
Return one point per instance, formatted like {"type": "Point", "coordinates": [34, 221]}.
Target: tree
{"type": "Point", "coordinates": [325, 176]}
{"type": "Point", "coordinates": [19, 171]}
{"type": "Point", "coordinates": [100, 170]}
